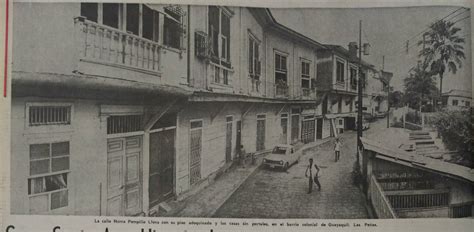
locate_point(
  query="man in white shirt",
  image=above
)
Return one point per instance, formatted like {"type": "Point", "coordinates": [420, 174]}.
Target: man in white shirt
{"type": "Point", "coordinates": [337, 149]}
{"type": "Point", "coordinates": [312, 168]}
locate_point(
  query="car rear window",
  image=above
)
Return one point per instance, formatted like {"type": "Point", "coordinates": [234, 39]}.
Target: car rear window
{"type": "Point", "coordinates": [279, 150]}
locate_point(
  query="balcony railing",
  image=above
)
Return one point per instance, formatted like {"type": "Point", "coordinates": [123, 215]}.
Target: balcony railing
{"type": "Point", "coordinates": [281, 90]}
{"type": "Point", "coordinates": [418, 198]}
{"type": "Point", "coordinates": [381, 205]}
{"type": "Point", "coordinates": [105, 44]}
{"type": "Point", "coordinates": [254, 85]}
{"type": "Point", "coordinates": [308, 93]}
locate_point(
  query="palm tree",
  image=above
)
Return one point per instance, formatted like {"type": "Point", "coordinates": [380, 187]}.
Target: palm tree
{"type": "Point", "coordinates": [442, 47]}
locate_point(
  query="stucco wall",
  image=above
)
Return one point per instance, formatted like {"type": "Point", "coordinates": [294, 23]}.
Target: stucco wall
{"type": "Point", "coordinates": [88, 157]}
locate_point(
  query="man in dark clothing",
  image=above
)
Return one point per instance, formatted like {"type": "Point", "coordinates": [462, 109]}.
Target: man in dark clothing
{"type": "Point", "coordinates": [312, 168]}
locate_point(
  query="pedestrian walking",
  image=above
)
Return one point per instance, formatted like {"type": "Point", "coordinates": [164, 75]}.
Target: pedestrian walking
{"type": "Point", "coordinates": [337, 150]}
{"type": "Point", "coordinates": [242, 155]}
{"type": "Point", "coordinates": [312, 168]}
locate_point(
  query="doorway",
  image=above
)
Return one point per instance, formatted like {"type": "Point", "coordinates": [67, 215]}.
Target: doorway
{"type": "Point", "coordinates": [319, 128]}
{"type": "Point", "coordinates": [260, 132]}
{"type": "Point", "coordinates": [123, 176]}
{"type": "Point", "coordinates": [162, 153]}
{"type": "Point", "coordinates": [228, 139]}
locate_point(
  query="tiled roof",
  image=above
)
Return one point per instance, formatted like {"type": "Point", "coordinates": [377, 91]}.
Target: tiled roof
{"type": "Point", "coordinates": [459, 93]}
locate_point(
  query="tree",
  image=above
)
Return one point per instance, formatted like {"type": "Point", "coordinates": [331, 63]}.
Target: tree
{"type": "Point", "coordinates": [419, 87]}
{"type": "Point", "coordinates": [442, 47]}
{"type": "Point", "coordinates": [396, 99]}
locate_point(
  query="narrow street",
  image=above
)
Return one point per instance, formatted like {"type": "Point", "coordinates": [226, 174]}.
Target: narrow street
{"type": "Point", "coordinates": [278, 194]}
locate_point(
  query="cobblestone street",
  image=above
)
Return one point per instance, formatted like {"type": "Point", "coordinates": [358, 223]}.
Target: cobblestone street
{"type": "Point", "coordinates": [278, 194]}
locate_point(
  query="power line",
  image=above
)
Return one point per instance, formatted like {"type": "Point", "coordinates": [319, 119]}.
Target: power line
{"type": "Point", "coordinates": [462, 19]}
{"type": "Point", "coordinates": [428, 26]}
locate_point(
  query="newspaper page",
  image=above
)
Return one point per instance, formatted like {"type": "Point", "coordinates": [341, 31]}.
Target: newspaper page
{"type": "Point", "coordinates": [233, 115]}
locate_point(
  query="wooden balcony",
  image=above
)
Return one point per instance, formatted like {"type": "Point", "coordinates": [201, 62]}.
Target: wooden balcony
{"type": "Point", "coordinates": [308, 94]}
{"type": "Point", "coordinates": [107, 45]}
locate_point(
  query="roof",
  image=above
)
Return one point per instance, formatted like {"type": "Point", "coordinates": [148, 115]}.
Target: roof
{"type": "Point", "coordinates": [264, 15]}
{"type": "Point", "coordinates": [418, 161]}
{"type": "Point", "coordinates": [344, 52]}
{"type": "Point", "coordinates": [458, 93]}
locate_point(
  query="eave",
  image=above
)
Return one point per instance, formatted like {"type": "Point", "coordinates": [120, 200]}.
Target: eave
{"type": "Point", "coordinates": [201, 96]}
{"type": "Point", "coordinates": [91, 87]}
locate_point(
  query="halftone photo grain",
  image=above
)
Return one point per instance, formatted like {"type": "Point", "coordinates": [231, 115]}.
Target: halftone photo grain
{"type": "Point", "coordinates": [214, 111]}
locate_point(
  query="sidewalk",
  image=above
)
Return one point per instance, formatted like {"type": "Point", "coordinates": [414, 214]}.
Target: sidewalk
{"type": "Point", "coordinates": [208, 200]}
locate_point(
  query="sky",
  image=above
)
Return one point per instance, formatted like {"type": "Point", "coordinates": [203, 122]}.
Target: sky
{"type": "Point", "coordinates": [387, 30]}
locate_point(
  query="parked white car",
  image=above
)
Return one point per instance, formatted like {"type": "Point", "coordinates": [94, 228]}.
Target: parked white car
{"type": "Point", "coordinates": [283, 156]}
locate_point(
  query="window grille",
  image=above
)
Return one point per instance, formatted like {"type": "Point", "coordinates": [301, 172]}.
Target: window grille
{"type": "Point", "coordinates": [124, 124]}
{"type": "Point", "coordinates": [49, 115]}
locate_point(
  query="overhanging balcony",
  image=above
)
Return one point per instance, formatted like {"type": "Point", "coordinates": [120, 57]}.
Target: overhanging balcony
{"type": "Point", "coordinates": [106, 45]}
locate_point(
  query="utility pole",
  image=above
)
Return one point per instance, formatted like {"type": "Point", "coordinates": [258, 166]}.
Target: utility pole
{"type": "Point", "coordinates": [359, 96]}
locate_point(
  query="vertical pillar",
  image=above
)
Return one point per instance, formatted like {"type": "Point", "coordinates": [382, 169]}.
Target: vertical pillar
{"type": "Point", "coordinates": [146, 172]}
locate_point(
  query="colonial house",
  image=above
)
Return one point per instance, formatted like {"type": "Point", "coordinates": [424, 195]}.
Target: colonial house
{"type": "Point", "coordinates": [456, 99]}
{"type": "Point", "coordinates": [338, 73]}
{"type": "Point", "coordinates": [403, 184]}
{"type": "Point", "coordinates": [375, 101]}
{"type": "Point", "coordinates": [251, 78]}
{"type": "Point", "coordinates": [119, 107]}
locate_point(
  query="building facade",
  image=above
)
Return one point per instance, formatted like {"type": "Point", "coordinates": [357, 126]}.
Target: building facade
{"type": "Point", "coordinates": [457, 99]}
{"type": "Point", "coordinates": [130, 105]}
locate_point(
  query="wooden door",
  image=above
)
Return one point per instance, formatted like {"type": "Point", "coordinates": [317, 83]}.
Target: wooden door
{"type": "Point", "coordinates": [295, 128]}
{"type": "Point", "coordinates": [195, 152]}
{"type": "Point", "coordinates": [228, 140]}
{"type": "Point", "coordinates": [284, 130]}
{"type": "Point", "coordinates": [123, 176]}
{"type": "Point", "coordinates": [307, 131]}
{"type": "Point", "coordinates": [260, 133]}
{"type": "Point", "coordinates": [319, 128]}
{"type": "Point", "coordinates": [238, 139]}
{"type": "Point", "coordinates": [162, 153]}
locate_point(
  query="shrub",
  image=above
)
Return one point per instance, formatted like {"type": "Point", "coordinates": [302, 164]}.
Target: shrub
{"type": "Point", "coordinates": [454, 127]}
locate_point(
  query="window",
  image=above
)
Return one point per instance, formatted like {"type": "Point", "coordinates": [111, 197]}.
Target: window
{"type": "Point", "coordinates": [111, 14]}
{"type": "Point", "coordinates": [150, 26]}
{"type": "Point", "coordinates": [339, 71]}
{"type": "Point", "coordinates": [90, 11]}
{"type": "Point", "coordinates": [49, 115]}
{"type": "Point", "coordinates": [124, 124]}
{"type": "Point", "coordinates": [138, 19]}
{"type": "Point", "coordinates": [172, 27]}
{"type": "Point", "coordinates": [468, 103]}
{"type": "Point", "coordinates": [196, 124]}
{"type": "Point", "coordinates": [305, 76]}
{"type": "Point", "coordinates": [217, 75]}
{"type": "Point", "coordinates": [48, 181]}
{"type": "Point", "coordinates": [353, 73]}
{"type": "Point", "coordinates": [133, 18]}
{"type": "Point", "coordinates": [280, 70]}
{"type": "Point", "coordinates": [254, 62]}
{"type": "Point", "coordinates": [455, 102]}
{"type": "Point", "coordinates": [219, 33]}
{"type": "Point", "coordinates": [225, 76]}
